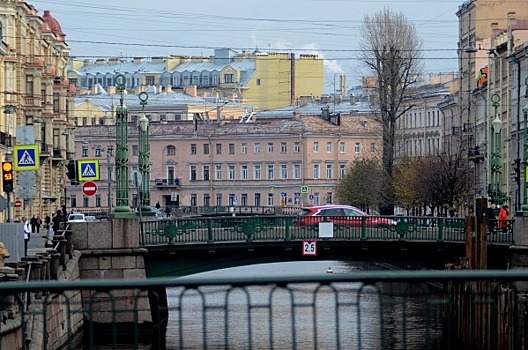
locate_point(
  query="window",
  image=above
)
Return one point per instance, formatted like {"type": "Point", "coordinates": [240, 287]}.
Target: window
{"type": "Point", "coordinates": [85, 151]}
{"type": "Point", "coordinates": [270, 172]}
{"type": "Point", "coordinates": [284, 171]}
{"type": "Point", "coordinates": [162, 117]}
{"type": "Point", "coordinates": [243, 148]}
{"type": "Point", "coordinates": [135, 150]}
{"type": "Point", "coordinates": [218, 199]}
{"type": "Point", "coordinates": [244, 199]}
{"type": "Point", "coordinates": [231, 172]}
{"type": "Point", "coordinates": [256, 172]}
{"type": "Point", "coordinates": [149, 80]}
{"type": "Point", "coordinates": [73, 201]}
{"type": "Point", "coordinates": [171, 150]}
{"type": "Point", "coordinates": [206, 172]}
{"type": "Point", "coordinates": [270, 147]}
{"type": "Point", "coordinates": [283, 147]}
{"type": "Point", "coordinates": [218, 148]}
{"type": "Point", "coordinates": [296, 171]}
{"type": "Point", "coordinates": [316, 147]}
{"type": "Point", "coordinates": [257, 200]}
{"type": "Point", "coordinates": [206, 199]}
{"type": "Point", "coordinates": [258, 82]}
{"type": "Point", "coordinates": [29, 85]}
{"type": "Point", "coordinates": [357, 148]}
{"type": "Point", "coordinates": [316, 171]}
{"type": "Point", "coordinates": [193, 148]}
{"type": "Point", "coordinates": [270, 199]}
{"type": "Point", "coordinates": [329, 147]}
{"type": "Point", "coordinates": [193, 172]}
{"type": "Point", "coordinates": [97, 151]}
{"type": "Point", "coordinates": [342, 147]}
{"type": "Point", "coordinates": [98, 200]}
{"type": "Point", "coordinates": [296, 147]}
{"type": "Point", "coordinates": [342, 170]}
{"type": "Point", "coordinates": [56, 102]}
{"type": "Point", "coordinates": [194, 200]}
{"type": "Point", "coordinates": [232, 199]}
{"type": "Point", "coordinates": [229, 78]}
{"type": "Point", "coordinates": [231, 148]}
{"type": "Point", "coordinates": [329, 171]}
{"type": "Point", "coordinates": [256, 148]}
{"type": "Point", "coordinates": [373, 147]}
{"type": "Point", "coordinates": [243, 172]}
{"type": "Point", "coordinates": [85, 201]}
{"type": "Point", "coordinates": [206, 148]}
{"type": "Point", "coordinates": [218, 172]}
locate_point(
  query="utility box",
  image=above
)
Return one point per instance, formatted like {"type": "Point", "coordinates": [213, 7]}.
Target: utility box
{"type": "Point", "coordinates": [326, 230]}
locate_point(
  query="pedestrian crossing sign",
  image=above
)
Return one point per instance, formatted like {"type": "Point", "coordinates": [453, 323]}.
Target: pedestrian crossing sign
{"type": "Point", "coordinates": [26, 157]}
{"type": "Point", "coordinates": [88, 170]}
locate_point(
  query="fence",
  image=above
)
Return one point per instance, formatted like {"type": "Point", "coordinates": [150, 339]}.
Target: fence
{"type": "Point", "coordinates": [364, 310]}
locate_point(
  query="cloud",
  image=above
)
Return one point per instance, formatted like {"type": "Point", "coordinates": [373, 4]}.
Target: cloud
{"type": "Point", "coordinates": [331, 66]}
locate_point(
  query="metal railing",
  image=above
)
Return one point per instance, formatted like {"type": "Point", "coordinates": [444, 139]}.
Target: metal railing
{"type": "Point", "coordinates": [277, 228]}
{"type": "Point", "coordinates": [363, 310]}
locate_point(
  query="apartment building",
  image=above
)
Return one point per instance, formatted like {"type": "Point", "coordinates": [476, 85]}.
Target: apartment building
{"type": "Point", "coordinates": [279, 158]}
{"type": "Point", "coordinates": [36, 102]}
{"type": "Point", "coordinates": [264, 80]}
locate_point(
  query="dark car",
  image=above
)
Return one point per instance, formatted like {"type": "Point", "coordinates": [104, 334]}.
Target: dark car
{"type": "Point", "coordinates": [345, 215]}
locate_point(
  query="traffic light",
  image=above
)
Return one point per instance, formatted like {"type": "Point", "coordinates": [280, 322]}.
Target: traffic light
{"type": "Point", "coordinates": [517, 170]}
{"type": "Point", "coordinates": [7, 176]}
{"type": "Point", "coordinates": [71, 172]}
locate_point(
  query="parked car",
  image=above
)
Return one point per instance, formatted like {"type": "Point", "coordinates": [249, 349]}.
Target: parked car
{"type": "Point", "coordinates": [90, 218]}
{"type": "Point", "coordinates": [78, 217]}
{"type": "Point", "coordinates": [345, 215]}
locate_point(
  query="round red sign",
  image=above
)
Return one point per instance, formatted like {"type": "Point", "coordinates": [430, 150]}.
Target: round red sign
{"type": "Point", "coordinates": [18, 204]}
{"type": "Point", "coordinates": [89, 188]}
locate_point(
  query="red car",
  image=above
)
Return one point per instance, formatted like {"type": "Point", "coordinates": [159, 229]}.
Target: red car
{"type": "Point", "coordinates": [346, 215]}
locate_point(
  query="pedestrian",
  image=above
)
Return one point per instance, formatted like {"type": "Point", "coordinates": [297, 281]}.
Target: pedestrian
{"type": "Point", "coordinates": [47, 221]}
{"type": "Point", "coordinates": [38, 224]}
{"type": "Point", "coordinates": [503, 218]}
{"type": "Point", "coordinates": [27, 234]}
{"type": "Point", "coordinates": [33, 223]}
{"type": "Point", "coordinates": [158, 205]}
{"type": "Point", "coordinates": [57, 218]}
{"type": "Point", "coordinates": [167, 211]}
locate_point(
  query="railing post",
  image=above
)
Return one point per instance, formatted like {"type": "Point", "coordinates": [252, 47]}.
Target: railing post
{"type": "Point", "coordinates": [441, 225]}
{"type": "Point", "coordinates": [210, 230]}
{"type": "Point", "coordinates": [287, 234]}
{"type": "Point", "coordinates": [363, 228]}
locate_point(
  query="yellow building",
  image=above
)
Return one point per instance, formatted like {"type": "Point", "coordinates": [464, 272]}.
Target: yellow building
{"type": "Point", "coordinates": [259, 80]}
{"type": "Point", "coordinates": [36, 104]}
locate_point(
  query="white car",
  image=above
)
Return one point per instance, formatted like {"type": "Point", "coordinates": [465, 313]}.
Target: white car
{"type": "Point", "coordinates": [76, 218]}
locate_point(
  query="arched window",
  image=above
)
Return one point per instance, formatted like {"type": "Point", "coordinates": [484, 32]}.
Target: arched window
{"type": "Point", "coordinates": [171, 150]}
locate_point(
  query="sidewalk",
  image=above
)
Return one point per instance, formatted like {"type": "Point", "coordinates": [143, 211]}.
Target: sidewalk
{"type": "Point", "coordinates": [36, 242]}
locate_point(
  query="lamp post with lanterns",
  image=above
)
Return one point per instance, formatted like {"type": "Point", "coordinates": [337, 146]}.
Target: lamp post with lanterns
{"type": "Point", "coordinates": [524, 206]}
{"type": "Point", "coordinates": [144, 159]}
{"type": "Point", "coordinates": [497, 196]}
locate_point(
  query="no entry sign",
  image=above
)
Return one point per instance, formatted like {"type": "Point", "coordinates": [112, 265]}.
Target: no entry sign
{"type": "Point", "coordinates": [89, 188]}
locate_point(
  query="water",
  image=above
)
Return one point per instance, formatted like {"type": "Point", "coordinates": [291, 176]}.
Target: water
{"type": "Point", "coordinates": [345, 316]}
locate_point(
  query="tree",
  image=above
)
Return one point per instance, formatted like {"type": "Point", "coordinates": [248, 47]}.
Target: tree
{"type": "Point", "coordinates": [361, 184]}
{"type": "Point", "coordinates": [391, 48]}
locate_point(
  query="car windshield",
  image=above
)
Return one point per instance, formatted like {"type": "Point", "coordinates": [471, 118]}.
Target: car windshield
{"type": "Point", "coordinates": [303, 212]}
{"type": "Point", "coordinates": [76, 217]}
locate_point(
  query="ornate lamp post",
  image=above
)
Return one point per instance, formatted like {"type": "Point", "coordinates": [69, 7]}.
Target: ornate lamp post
{"type": "Point", "coordinates": [524, 206]}
{"type": "Point", "coordinates": [496, 195]}
{"type": "Point", "coordinates": [122, 209]}
{"type": "Point", "coordinates": [144, 159]}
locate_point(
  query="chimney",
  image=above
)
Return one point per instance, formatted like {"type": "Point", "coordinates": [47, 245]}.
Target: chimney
{"type": "Point", "coordinates": [94, 89]}
{"type": "Point", "coordinates": [159, 89]}
{"type": "Point", "coordinates": [191, 90]}
{"type": "Point", "coordinates": [168, 89]}
{"type": "Point", "coordinates": [111, 90]}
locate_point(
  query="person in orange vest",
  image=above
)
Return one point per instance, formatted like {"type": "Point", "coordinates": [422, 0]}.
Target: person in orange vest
{"type": "Point", "coordinates": [503, 217]}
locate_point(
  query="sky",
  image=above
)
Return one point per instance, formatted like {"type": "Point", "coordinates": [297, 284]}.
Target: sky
{"type": "Point", "coordinates": [328, 28]}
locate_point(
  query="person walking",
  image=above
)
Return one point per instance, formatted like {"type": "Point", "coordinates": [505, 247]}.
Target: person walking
{"type": "Point", "coordinates": [503, 218]}
{"type": "Point", "coordinates": [27, 234]}
{"type": "Point", "coordinates": [33, 224]}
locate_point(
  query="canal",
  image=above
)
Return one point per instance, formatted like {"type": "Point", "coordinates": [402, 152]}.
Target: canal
{"type": "Point", "coordinates": [345, 316]}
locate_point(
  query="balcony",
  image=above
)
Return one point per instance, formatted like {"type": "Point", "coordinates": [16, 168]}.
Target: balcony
{"type": "Point", "coordinates": [168, 183]}
{"type": "Point", "coordinates": [475, 155]}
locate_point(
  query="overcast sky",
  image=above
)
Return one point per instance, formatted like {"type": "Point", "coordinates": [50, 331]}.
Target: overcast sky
{"type": "Point", "coordinates": [109, 28]}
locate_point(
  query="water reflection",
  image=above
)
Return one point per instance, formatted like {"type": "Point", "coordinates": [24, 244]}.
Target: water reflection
{"type": "Point", "coordinates": [306, 316]}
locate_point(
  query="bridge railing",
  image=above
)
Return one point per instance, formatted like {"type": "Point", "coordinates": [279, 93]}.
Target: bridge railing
{"type": "Point", "coordinates": [361, 310]}
{"type": "Point", "coordinates": [275, 227]}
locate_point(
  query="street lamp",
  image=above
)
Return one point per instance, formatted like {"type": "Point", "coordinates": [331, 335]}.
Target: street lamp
{"type": "Point", "coordinates": [122, 209]}
{"type": "Point", "coordinates": [496, 194]}
{"type": "Point", "coordinates": [524, 206]}
{"type": "Point", "coordinates": [144, 159]}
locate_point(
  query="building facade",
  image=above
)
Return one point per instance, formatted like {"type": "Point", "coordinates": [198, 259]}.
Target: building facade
{"type": "Point", "coordinates": [262, 80]}
{"type": "Point", "coordinates": [260, 163]}
{"type": "Point", "coordinates": [37, 101]}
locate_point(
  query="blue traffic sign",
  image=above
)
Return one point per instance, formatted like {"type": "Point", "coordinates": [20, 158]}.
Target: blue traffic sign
{"type": "Point", "coordinates": [311, 197]}
{"type": "Point", "coordinates": [26, 157]}
{"type": "Point", "coordinates": [88, 170]}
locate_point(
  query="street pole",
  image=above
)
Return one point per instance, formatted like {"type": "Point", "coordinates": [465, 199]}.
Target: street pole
{"type": "Point", "coordinates": [122, 209]}
{"type": "Point", "coordinates": [524, 206]}
{"type": "Point", "coordinates": [144, 160]}
{"type": "Point", "coordinates": [496, 159]}
{"type": "Point", "coordinates": [109, 150]}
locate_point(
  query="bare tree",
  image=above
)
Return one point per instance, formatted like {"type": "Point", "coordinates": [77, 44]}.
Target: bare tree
{"type": "Point", "coordinates": [391, 48]}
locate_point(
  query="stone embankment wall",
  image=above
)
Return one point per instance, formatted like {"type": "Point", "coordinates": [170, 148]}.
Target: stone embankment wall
{"type": "Point", "coordinates": [42, 320]}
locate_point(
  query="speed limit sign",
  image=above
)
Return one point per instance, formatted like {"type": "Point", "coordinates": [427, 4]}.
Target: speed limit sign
{"type": "Point", "coordinates": [309, 248]}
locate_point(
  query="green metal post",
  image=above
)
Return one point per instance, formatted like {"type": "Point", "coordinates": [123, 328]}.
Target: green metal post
{"type": "Point", "coordinates": [144, 159]}
{"type": "Point", "coordinates": [524, 206]}
{"type": "Point", "coordinates": [122, 208]}
{"type": "Point", "coordinates": [496, 194]}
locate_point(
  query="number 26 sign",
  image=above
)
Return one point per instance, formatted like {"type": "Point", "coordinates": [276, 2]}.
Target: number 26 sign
{"type": "Point", "coordinates": [309, 248]}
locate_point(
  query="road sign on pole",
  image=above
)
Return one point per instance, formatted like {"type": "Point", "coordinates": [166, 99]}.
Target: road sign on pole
{"type": "Point", "coordinates": [89, 188]}
{"type": "Point", "coordinates": [18, 204]}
